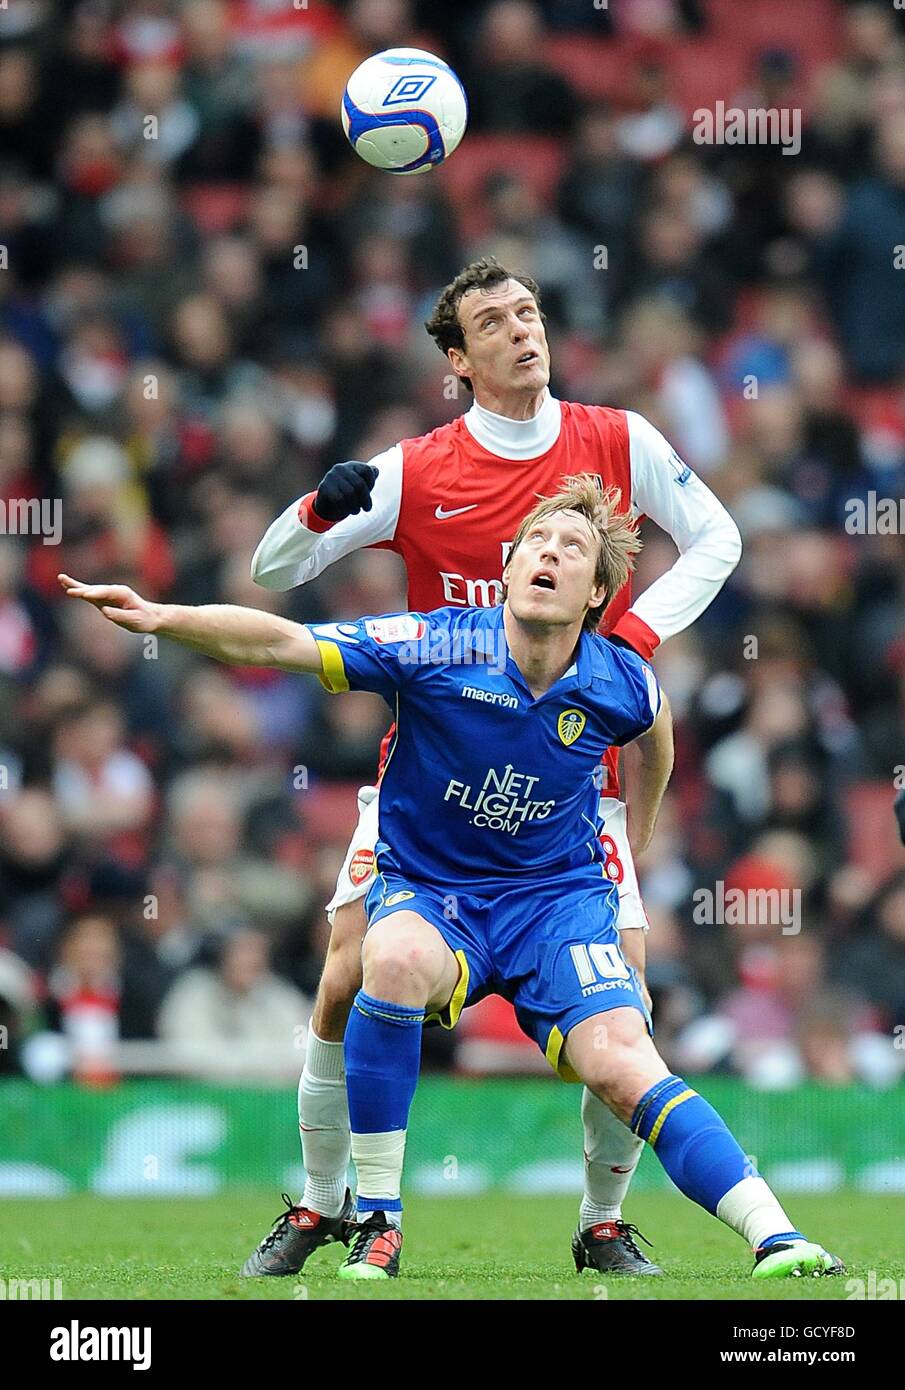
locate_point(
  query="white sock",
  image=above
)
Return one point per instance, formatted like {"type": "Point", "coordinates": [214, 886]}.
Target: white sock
{"type": "Point", "coordinates": [752, 1211]}
{"type": "Point", "coordinates": [324, 1126]}
{"type": "Point", "coordinates": [378, 1160]}
{"type": "Point", "coordinates": [608, 1145]}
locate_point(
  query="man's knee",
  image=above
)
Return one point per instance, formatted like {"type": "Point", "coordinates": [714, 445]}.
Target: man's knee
{"type": "Point", "coordinates": [398, 963]}
{"type": "Point", "coordinates": [615, 1084]}
{"type": "Point", "coordinates": [616, 1059]}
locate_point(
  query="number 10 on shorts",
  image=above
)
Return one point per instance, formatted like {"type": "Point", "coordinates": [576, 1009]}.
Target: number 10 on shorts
{"type": "Point", "coordinates": [598, 961]}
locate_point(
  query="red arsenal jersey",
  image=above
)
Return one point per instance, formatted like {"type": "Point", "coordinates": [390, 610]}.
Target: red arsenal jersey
{"type": "Point", "coordinates": [461, 506]}
{"type": "Point", "coordinates": [450, 502]}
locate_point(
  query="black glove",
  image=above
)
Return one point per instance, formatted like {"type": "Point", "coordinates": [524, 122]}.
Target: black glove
{"type": "Point", "coordinates": [900, 814]}
{"type": "Point", "coordinates": [345, 491]}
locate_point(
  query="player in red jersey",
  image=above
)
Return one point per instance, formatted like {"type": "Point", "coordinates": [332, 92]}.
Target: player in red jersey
{"type": "Point", "coordinates": [449, 502]}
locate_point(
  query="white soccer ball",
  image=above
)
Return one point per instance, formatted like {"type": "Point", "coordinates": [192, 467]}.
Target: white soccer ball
{"type": "Point", "coordinates": [404, 110]}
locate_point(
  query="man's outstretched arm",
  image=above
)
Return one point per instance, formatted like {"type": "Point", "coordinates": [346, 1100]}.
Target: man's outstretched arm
{"type": "Point", "coordinates": [239, 636]}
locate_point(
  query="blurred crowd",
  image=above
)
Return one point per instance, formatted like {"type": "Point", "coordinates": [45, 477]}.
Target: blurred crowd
{"type": "Point", "coordinates": [206, 300]}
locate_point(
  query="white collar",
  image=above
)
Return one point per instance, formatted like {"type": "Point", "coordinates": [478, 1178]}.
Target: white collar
{"type": "Point", "coordinates": [516, 439]}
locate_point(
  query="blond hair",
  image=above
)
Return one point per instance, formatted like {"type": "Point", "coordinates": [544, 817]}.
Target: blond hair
{"type": "Point", "coordinates": [614, 528]}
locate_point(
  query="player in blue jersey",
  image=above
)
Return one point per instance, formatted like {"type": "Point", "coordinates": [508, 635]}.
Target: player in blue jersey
{"type": "Point", "coordinates": [490, 873]}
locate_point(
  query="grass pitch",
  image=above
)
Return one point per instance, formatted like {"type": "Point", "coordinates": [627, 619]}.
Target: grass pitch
{"type": "Point", "coordinates": [491, 1247]}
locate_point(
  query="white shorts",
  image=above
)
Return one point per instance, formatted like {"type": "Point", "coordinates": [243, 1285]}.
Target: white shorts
{"type": "Point", "coordinates": [359, 864]}
{"type": "Point", "coordinates": [620, 864]}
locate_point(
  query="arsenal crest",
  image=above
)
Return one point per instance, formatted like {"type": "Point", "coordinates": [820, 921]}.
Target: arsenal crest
{"type": "Point", "coordinates": [362, 866]}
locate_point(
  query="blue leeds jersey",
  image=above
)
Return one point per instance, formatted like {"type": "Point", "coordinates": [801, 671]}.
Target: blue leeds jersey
{"type": "Point", "coordinates": [482, 780]}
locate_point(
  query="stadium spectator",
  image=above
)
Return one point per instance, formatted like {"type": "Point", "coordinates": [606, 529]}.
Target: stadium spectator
{"type": "Point", "coordinates": [217, 85]}
{"type": "Point", "coordinates": [599, 192]}
{"type": "Point", "coordinates": [165, 924]}
{"type": "Point", "coordinates": [552, 254]}
{"type": "Point", "coordinates": [369, 27]}
{"type": "Point", "coordinates": [670, 264]}
{"type": "Point", "coordinates": [654, 126]}
{"type": "Point", "coordinates": [660, 345]}
{"type": "Point", "coordinates": [105, 793]}
{"type": "Point", "coordinates": [874, 961]}
{"type": "Point", "coordinates": [783, 1023]}
{"type": "Point", "coordinates": [94, 1000]}
{"type": "Point", "coordinates": [239, 1008]}
{"type": "Point", "coordinates": [17, 1000]}
{"type": "Point", "coordinates": [204, 825]}
{"type": "Point", "coordinates": [865, 299]}
{"type": "Point", "coordinates": [35, 852]}
{"type": "Point", "coordinates": [27, 129]}
{"type": "Point", "coordinates": [27, 628]}
{"type": "Point", "coordinates": [509, 86]}
{"type": "Point", "coordinates": [841, 119]}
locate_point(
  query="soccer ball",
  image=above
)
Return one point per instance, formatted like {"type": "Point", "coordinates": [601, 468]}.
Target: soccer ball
{"type": "Point", "coordinates": [404, 110]}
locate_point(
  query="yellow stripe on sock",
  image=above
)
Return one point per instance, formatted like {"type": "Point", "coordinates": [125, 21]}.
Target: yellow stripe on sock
{"type": "Point", "coordinates": [670, 1105]}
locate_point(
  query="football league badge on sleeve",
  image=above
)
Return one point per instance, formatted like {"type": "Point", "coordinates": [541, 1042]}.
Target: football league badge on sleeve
{"type": "Point", "coordinates": [400, 627]}
{"type": "Point", "coordinates": [569, 725]}
{"type": "Point", "coordinates": [680, 468]}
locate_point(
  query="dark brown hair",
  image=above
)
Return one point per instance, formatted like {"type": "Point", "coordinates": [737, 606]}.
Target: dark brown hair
{"type": "Point", "coordinates": [485, 274]}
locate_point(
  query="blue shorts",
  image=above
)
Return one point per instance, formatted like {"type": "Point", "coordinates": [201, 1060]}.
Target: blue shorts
{"type": "Point", "coordinates": [549, 945]}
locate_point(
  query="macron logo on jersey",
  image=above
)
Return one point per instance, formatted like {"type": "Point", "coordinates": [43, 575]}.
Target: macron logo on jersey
{"type": "Point", "coordinates": [489, 697]}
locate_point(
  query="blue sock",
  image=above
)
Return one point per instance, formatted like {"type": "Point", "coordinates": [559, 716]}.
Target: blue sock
{"type": "Point", "coordinates": [691, 1141]}
{"type": "Point", "coordinates": [382, 1053]}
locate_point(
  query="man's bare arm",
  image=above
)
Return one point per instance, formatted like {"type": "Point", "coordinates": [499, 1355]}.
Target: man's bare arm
{"type": "Point", "coordinates": [649, 771]}
{"type": "Point", "coordinates": [227, 632]}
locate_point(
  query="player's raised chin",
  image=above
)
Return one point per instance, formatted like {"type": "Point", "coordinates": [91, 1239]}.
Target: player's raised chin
{"type": "Point", "coordinates": [550, 577]}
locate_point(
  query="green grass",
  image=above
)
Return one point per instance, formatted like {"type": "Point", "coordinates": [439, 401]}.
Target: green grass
{"type": "Point", "coordinates": [491, 1247]}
